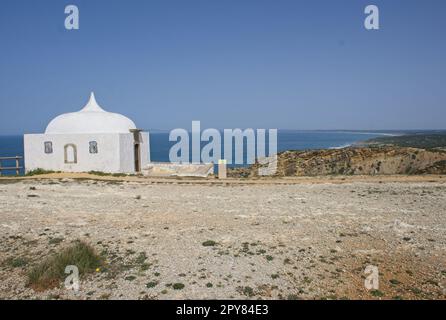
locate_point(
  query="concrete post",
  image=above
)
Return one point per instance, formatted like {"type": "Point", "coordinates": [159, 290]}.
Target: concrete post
{"type": "Point", "coordinates": [222, 169]}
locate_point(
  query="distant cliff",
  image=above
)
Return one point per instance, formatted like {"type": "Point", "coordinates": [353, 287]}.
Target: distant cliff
{"type": "Point", "coordinates": [428, 141]}
{"type": "Point", "coordinates": [355, 161]}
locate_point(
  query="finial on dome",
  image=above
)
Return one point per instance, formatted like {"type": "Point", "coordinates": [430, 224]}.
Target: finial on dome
{"type": "Point", "coordinates": [92, 105]}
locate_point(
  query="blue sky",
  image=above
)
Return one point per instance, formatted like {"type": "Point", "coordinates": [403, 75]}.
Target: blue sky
{"type": "Point", "coordinates": [229, 63]}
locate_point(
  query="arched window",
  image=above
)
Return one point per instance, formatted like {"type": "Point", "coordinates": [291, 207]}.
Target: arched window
{"type": "Point", "coordinates": [93, 147]}
{"type": "Point", "coordinates": [70, 153]}
{"type": "Point", "coordinates": [48, 147]}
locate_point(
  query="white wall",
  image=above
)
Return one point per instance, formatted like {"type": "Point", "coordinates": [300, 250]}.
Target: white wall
{"type": "Point", "coordinates": [115, 152]}
{"type": "Point", "coordinates": [126, 153]}
{"type": "Point", "coordinates": [146, 136]}
{"type": "Point", "coordinates": [126, 146]}
{"type": "Point", "coordinates": [106, 160]}
{"type": "Point", "coordinates": [145, 149]}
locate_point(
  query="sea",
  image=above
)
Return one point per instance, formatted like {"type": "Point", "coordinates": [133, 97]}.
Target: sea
{"type": "Point", "coordinates": [12, 145]}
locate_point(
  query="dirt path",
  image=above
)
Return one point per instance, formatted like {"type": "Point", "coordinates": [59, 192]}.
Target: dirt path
{"type": "Point", "coordinates": [234, 181]}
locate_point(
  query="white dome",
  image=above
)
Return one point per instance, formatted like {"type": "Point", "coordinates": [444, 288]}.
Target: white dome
{"type": "Point", "coordinates": [91, 119]}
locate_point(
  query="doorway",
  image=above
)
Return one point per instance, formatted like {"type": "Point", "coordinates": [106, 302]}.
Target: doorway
{"type": "Point", "coordinates": [137, 157]}
{"type": "Point", "coordinates": [137, 140]}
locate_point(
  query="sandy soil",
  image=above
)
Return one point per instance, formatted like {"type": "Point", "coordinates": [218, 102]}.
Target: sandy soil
{"type": "Point", "coordinates": [275, 239]}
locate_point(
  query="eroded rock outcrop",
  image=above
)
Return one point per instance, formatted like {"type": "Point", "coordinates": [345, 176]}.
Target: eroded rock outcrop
{"type": "Point", "coordinates": [355, 161]}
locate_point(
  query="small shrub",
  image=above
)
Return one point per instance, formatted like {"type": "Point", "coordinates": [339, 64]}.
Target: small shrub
{"type": "Point", "coordinates": [209, 243]}
{"type": "Point", "coordinates": [16, 262]}
{"type": "Point", "coordinates": [377, 293]}
{"type": "Point", "coordinates": [51, 271]}
{"type": "Point", "coordinates": [151, 284]}
{"type": "Point", "coordinates": [142, 257]}
{"type": "Point", "coordinates": [145, 266]}
{"type": "Point", "coordinates": [417, 291]}
{"type": "Point", "coordinates": [307, 280]}
{"type": "Point", "coordinates": [178, 286]}
{"type": "Point", "coordinates": [130, 278]}
{"type": "Point", "coordinates": [248, 291]}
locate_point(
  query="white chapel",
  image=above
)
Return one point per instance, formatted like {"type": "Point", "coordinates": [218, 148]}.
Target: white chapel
{"type": "Point", "coordinates": [91, 139]}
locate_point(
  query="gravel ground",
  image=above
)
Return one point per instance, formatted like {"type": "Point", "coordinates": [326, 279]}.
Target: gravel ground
{"type": "Point", "coordinates": [285, 241]}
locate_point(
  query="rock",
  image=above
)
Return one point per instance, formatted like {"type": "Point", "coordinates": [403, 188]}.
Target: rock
{"type": "Point", "coordinates": [354, 161]}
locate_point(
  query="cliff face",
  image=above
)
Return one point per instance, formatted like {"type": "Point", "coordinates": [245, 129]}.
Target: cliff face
{"type": "Point", "coordinates": [356, 161]}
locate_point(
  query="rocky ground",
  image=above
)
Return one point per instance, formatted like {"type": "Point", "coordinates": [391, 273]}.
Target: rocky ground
{"type": "Point", "coordinates": [287, 240]}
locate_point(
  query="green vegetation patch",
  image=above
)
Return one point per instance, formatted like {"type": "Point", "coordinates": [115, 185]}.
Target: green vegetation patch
{"type": "Point", "coordinates": [178, 286]}
{"type": "Point", "coordinates": [247, 291]}
{"type": "Point", "coordinates": [51, 271]}
{"type": "Point", "coordinates": [16, 262]}
{"type": "Point", "coordinates": [377, 293]}
{"type": "Point", "coordinates": [209, 243]}
{"type": "Point", "coordinates": [39, 171]}
{"type": "Point", "coordinates": [102, 174]}
{"type": "Point", "coordinates": [151, 284]}
{"type": "Point", "coordinates": [420, 140]}
{"type": "Point", "coordinates": [269, 258]}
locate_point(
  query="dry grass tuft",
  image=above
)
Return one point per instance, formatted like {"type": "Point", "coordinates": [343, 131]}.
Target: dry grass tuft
{"type": "Point", "coordinates": [50, 272]}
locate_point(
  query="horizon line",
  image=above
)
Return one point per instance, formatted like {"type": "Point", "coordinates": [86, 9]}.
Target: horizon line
{"type": "Point", "coordinates": [364, 131]}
